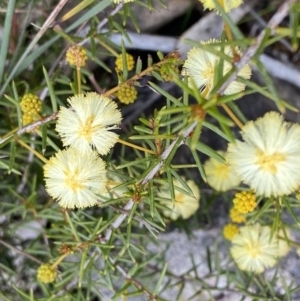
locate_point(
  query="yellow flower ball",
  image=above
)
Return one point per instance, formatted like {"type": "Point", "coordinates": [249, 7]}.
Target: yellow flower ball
{"type": "Point", "coordinates": [230, 230]}
{"type": "Point", "coordinates": [129, 62]}
{"type": "Point", "coordinates": [76, 56]}
{"type": "Point", "coordinates": [46, 273]}
{"type": "Point", "coordinates": [245, 201]}
{"type": "Point", "coordinates": [31, 104]}
{"type": "Point", "coordinates": [27, 119]}
{"type": "Point", "coordinates": [236, 216]}
{"type": "Point", "coordinates": [127, 94]}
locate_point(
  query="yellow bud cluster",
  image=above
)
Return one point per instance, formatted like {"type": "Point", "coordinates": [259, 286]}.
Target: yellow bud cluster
{"type": "Point", "coordinates": [236, 216]}
{"type": "Point", "coordinates": [245, 201]}
{"type": "Point", "coordinates": [46, 273]}
{"type": "Point", "coordinates": [129, 61]}
{"type": "Point", "coordinates": [27, 119]}
{"type": "Point", "coordinates": [165, 73]}
{"type": "Point", "coordinates": [31, 106]}
{"type": "Point", "coordinates": [127, 94]}
{"type": "Point", "coordinates": [76, 56]}
{"type": "Point", "coordinates": [230, 230]}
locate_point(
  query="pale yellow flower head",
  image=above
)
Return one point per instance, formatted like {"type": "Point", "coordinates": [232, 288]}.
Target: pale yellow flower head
{"type": "Point", "coordinates": [253, 249]}
{"type": "Point", "coordinates": [268, 159]}
{"type": "Point", "coordinates": [185, 204]}
{"type": "Point", "coordinates": [220, 176]}
{"type": "Point", "coordinates": [283, 245]}
{"type": "Point", "coordinates": [201, 64]}
{"type": "Point", "coordinates": [73, 178]}
{"type": "Point", "coordinates": [228, 5]}
{"type": "Point", "coordinates": [88, 123]}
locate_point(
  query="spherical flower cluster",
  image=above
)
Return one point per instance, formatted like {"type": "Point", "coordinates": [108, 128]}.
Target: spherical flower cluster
{"type": "Point", "coordinates": [166, 74]}
{"type": "Point", "coordinates": [220, 176]}
{"type": "Point", "coordinates": [46, 273]}
{"type": "Point", "coordinates": [88, 122]}
{"type": "Point", "coordinates": [76, 56]}
{"type": "Point", "coordinates": [230, 230]}
{"type": "Point", "coordinates": [268, 159]}
{"type": "Point", "coordinates": [228, 5]}
{"type": "Point", "coordinates": [129, 62]}
{"type": "Point", "coordinates": [74, 179]}
{"type": "Point", "coordinates": [27, 119]}
{"type": "Point", "coordinates": [185, 203]}
{"type": "Point", "coordinates": [245, 201]}
{"type": "Point", "coordinates": [201, 64]}
{"type": "Point", "coordinates": [31, 106]}
{"type": "Point", "coordinates": [127, 94]}
{"type": "Point", "coordinates": [236, 216]}
{"type": "Point", "coordinates": [254, 248]}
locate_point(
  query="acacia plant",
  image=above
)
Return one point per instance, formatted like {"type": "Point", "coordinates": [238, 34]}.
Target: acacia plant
{"type": "Point", "coordinates": [84, 195]}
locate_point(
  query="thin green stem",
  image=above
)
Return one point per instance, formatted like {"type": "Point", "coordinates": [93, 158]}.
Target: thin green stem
{"type": "Point", "coordinates": [78, 80]}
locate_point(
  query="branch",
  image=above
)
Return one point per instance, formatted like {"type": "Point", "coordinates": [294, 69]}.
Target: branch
{"type": "Point", "coordinates": [117, 223]}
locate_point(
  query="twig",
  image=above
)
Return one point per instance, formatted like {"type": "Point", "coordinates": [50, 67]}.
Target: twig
{"type": "Point", "coordinates": [9, 246]}
{"type": "Point", "coordinates": [33, 125]}
{"type": "Point", "coordinates": [116, 224]}
{"type": "Point", "coordinates": [133, 281]}
{"type": "Point", "coordinates": [136, 217]}
{"type": "Point", "coordinates": [263, 24]}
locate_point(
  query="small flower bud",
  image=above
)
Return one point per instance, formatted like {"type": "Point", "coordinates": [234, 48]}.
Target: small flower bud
{"type": "Point", "coordinates": [76, 56]}
{"type": "Point", "coordinates": [46, 273]}
{"type": "Point", "coordinates": [127, 94]}
{"type": "Point", "coordinates": [245, 201]}
{"type": "Point", "coordinates": [236, 216]}
{"type": "Point", "coordinates": [129, 61]}
{"type": "Point", "coordinates": [31, 104]}
{"type": "Point", "coordinates": [230, 230]}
